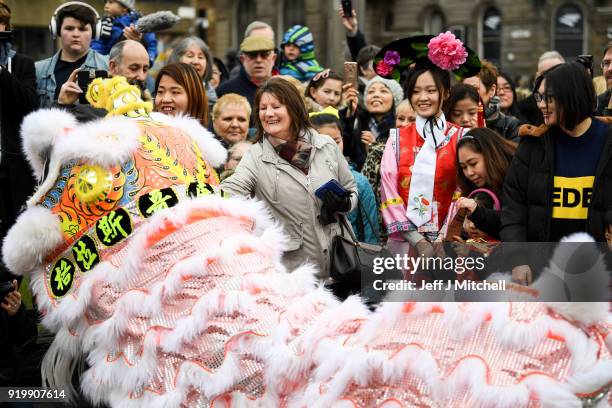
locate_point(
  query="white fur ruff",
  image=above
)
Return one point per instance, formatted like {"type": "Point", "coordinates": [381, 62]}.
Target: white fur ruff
{"type": "Point", "coordinates": [213, 151]}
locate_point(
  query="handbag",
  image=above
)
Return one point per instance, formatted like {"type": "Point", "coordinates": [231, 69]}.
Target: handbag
{"type": "Point", "coordinates": [455, 226]}
{"type": "Point", "coordinates": [352, 264]}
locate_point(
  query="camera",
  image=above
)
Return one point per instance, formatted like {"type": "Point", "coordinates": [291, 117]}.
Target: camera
{"type": "Point", "coordinates": [586, 61]}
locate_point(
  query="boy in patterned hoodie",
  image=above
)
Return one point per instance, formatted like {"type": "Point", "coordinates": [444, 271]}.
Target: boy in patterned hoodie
{"type": "Point", "coordinates": [297, 54]}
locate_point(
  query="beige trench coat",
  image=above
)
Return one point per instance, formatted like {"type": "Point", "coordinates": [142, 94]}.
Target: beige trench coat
{"type": "Point", "coordinates": [290, 196]}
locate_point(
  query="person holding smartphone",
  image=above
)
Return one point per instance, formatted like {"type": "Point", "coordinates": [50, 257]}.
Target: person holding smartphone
{"type": "Point", "coordinates": [75, 23]}
{"type": "Point", "coordinates": [355, 40]}
{"type": "Point", "coordinates": [284, 168]}
{"type": "Point", "coordinates": [128, 58]}
{"type": "Point", "coordinates": [17, 330]}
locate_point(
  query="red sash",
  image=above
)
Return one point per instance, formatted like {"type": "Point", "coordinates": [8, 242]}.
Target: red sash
{"type": "Point", "coordinates": [445, 178]}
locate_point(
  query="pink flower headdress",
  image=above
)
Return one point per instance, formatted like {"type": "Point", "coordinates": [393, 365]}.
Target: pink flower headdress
{"type": "Point", "coordinates": [444, 51]}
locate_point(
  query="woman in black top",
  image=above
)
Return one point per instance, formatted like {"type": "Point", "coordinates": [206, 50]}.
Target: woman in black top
{"type": "Point", "coordinates": [560, 180]}
{"type": "Point", "coordinates": [483, 157]}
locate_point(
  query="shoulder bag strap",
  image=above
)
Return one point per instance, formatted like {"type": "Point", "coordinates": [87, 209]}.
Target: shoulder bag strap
{"type": "Point", "coordinates": [361, 210]}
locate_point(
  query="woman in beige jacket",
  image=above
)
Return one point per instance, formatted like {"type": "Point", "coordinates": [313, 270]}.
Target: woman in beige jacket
{"type": "Point", "coordinates": [287, 164]}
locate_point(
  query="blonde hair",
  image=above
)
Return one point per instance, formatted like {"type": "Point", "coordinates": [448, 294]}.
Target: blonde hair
{"type": "Point", "coordinates": [405, 103]}
{"type": "Point", "coordinates": [230, 99]}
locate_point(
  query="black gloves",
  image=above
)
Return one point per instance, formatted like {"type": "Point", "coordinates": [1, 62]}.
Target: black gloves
{"type": "Point", "coordinates": [332, 204]}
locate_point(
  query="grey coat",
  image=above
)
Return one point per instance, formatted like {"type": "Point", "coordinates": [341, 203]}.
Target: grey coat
{"type": "Point", "coordinates": [290, 195]}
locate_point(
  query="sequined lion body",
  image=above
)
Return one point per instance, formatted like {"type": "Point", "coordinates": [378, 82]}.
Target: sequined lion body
{"type": "Point", "coordinates": [176, 296]}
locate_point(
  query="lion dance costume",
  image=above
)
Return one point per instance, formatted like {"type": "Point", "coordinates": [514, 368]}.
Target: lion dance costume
{"type": "Point", "coordinates": [175, 294]}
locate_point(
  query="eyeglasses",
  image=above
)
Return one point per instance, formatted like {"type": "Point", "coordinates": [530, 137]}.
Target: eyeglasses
{"type": "Point", "coordinates": [506, 88]}
{"type": "Point", "coordinates": [549, 98]}
{"type": "Point", "coordinates": [605, 64]}
{"type": "Point", "coordinates": [254, 54]}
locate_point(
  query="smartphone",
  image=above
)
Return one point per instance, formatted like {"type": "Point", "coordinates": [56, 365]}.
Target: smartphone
{"type": "Point", "coordinates": [347, 8]}
{"type": "Point", "coordinates": [332, 185]}
{"type": "Point", "coordinates": [5, 289]}
{"type": "Point", "coordinates": [350, 74]}
{"type": "Point", "coordinates": [85, 77]}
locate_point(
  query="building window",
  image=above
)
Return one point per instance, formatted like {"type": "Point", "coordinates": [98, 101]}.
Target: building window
{"type": "Point", "coordinates": [491, 35]}
{"type": "Point", "coordinates": [245, 13]}
{"type": "Point", "coordinates": [569, 31]}
{"type": "Point", "coordinates": [34, 41]}
{"type": "Point", "coordinates": [388, 21]}
{"type": "Point", "coordinates": [434, 22]}
{"type": "Point", "coordinates": [293, 13]}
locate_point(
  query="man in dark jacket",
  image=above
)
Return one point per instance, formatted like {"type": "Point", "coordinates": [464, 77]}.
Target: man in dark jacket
{"type": "Point", "coordinates": [257, 57]}
{"type": "Point", "coordinates": [603, 100]}
{"type": "Point", "coordinates": [17, 99]}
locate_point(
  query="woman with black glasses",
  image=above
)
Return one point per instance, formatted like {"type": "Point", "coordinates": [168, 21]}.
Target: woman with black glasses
{"type": "Point", "coordinates": [560, 180]}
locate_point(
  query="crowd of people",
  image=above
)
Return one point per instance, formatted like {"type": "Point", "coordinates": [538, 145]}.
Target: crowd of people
{"type": "Point", "coordinates": [410, 147]}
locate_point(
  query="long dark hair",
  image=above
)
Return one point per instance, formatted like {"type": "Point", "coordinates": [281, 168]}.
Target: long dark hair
{"type": "Point", "coordinates": [497, 153]}
{"type": "Point", "coordinates": [288, 95]}
{"type": "Point", "coordinates": [187, 77]}
{"type": "Point", "coordinates": [514, 109]}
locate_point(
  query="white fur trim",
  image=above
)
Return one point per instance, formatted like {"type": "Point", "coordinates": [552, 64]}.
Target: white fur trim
{"type": "Point", "coordinates": [40, 131]}
{"type": "Point", "coordinates": [578, 237]}
{"type": "Point", "coordinates": [48, 182]}
{"type": "Point", "coordinates": [214, 302]}
{"type": "Point", "coordinates": [212, 149]}
{"type": "Point", "coordinates": [298, 283]}
{"type": "Point", "coordinates": [584, 312]}
{"type": "Point", "coordinates": [107, 142]}
{"type": "Point", "coordinates": [177, 215]}
{"type": "Point", "coordinates": [36, 233]}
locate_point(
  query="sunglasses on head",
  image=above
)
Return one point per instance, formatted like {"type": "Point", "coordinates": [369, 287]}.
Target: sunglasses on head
{"type": "Point", "coordinates": [255, 54]}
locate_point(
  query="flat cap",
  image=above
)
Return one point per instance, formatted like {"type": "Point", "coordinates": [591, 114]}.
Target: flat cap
{"type": "Point", "coordinates": [256, 43]}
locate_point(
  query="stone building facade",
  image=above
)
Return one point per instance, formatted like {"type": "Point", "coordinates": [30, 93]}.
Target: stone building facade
{"type": "Point", "coordinates": [511, 33]}
{"type": "Point", "coordinates": [30, 20]}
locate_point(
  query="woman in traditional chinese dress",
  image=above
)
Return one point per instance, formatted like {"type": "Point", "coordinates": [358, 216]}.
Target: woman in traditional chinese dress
{"type": "Point", "coordinates": [418, 165]}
